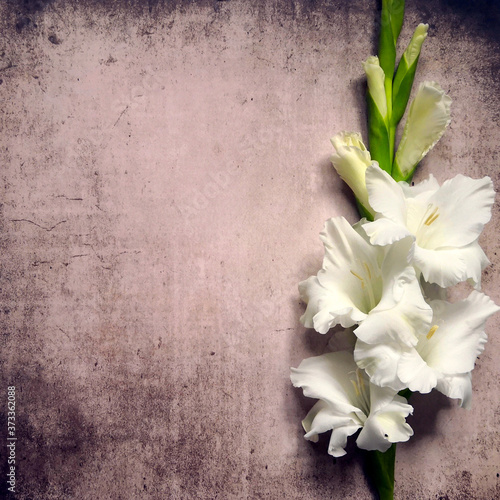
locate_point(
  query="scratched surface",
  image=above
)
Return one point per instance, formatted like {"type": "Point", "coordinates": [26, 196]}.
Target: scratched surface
{"type": "Point", "coordinates": [165, 176]}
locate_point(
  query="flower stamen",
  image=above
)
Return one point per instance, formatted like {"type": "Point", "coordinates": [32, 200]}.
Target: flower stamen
{"type": "Point", "coordinates": [432, 217]}
{"type": "Point", "coordinates": [359, 278]}
{"type": "Point", "coordinates": [357, 275]}
{"type": "Point", "coordinates": [365, 276]}
{"type": "Point", "coordinates": [431, 332]}
{"type": "Point", "coordinates": [356, 388]}
{"type": "Point", "coordinates": [367, 267]}
{"type": "Point", "coordinates": [361, 391]}
{"type": "Point", "coordinates": [361, 382]}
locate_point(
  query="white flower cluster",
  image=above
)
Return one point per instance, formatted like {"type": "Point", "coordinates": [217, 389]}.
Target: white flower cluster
{"type": "Point", "coordinates": [384, 280]}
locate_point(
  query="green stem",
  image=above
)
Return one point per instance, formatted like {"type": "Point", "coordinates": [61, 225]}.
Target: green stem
{"type": "Point", "coordinates": [380, 470]}
{"type": "Point", "coordinates": [391, 130]}
{"type": "Point", "coordinates": [392, 141]}
{"type": "Point", "coordinates": [380, 466]}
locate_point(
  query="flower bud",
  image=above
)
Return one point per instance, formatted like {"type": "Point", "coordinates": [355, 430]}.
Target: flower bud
{"type": "Point", "coordinates": [351, 161]}
{"type": "Point", "coordinates": [405, 74]}
{"type": "Point", "coordinates": [427, 120]}
{"type": "Point", "coordinates": [375, 76]}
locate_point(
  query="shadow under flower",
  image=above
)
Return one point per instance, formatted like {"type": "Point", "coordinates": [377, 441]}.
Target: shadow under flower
{"type": "Point", "coordinates": [425, 412]}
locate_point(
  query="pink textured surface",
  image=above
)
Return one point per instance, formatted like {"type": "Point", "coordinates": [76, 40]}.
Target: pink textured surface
{"type": "Point", "coordinates": [165, 177]}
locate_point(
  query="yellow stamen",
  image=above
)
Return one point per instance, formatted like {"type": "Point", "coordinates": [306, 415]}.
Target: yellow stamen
{"type": "Point", "coordinates": [356, 388]}
{"type": "Point", "coordinates": [432, 217]}
{"type": "Point", "coordinates": [357, 276]}
{"type": "Point", "coordinates": [360, 379]}
{"type": "Point", "coordinates": [432, 331]}
{"type": "Point", "coordinates": [367, 267]}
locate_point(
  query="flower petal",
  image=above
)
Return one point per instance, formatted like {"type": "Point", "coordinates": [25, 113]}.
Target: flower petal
{"type": "Point", "coordinates": [427, 120]}
{"type": "Point", "coordinates": [326, 377]}
{"type": "Point", "coordinates": [387, 424]}
{"type": "Point", "coordinates": [460, 337]}
{"type": "Point", "coordinates": [385, 195]}
{"type": "Point", "coordinates": [321, 418]}
{"type": "Point", "coordinates": [461, 208]}
{"type": "Point", "coordinates": [385, 232]}
{"type": "Point", "coordinates": [415, 373]}
{"type": "Point", "coordinates": [338, 439]}
{"type": "Point", "coordinates": [457, 387]}
{"type": "Point", "coordinates": [422, 190]}
{"type": "Point", "coordinates": [336, 295]}
{"type": "Point", "coordinates": [380, 361]}
{"type": "Point", "coordinates": [402, 311]}
{"type": "Point", "coordinates": [326, 306]}
{"type": "Point", "coordinates": [449, 266]}
{"type": "Point", "coordinates": [388, 326]}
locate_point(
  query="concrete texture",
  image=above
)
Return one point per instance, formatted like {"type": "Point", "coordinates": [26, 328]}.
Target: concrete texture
{"type": "Point", "coordinates": [165, 176]}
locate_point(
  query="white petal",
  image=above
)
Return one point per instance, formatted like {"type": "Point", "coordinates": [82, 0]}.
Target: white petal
{"type": "Point", "coordinates": [312, 430]}
{"type": "Point", "coordinates": [476, 260]}
{"type": "Point", "coordinates": [457, 387]}
{"type": "Point", "coordinates": [427, 120]}
{"type": "Point", "coordinates": [327, 306]}
{"type": "Point", "coordinates": [395, 266]}
{"type": "Point", "coordinates": [321, 418]}
{"type": "Point", "coordinates": [310, 292]}
{"type": "Point", "coordinates": [326, 377]}
{"type": "Point", "coordinates": [347, 257]}
{"type": "Point", "coordinates": [385, 195]}
{"type": "Point", "coordinates": [422, 190]}
{"type": "Point", "coordinates": [462, 206]}
{"type": "Point", "coordinates": [460, 337]}
{"type": "Point", "coordinates": [402, 311]}
{"type": "Point", "coordinates": [387, 326]}
{"type": "Point", "coordinates": [385, 231]}
{"type": "Point", "coordinates": [449, 266]}
{"type": "Point", "coordinates": [387, 424]}
{"type": "Point", "coordinates": [380, 397]}
{"type": "Point", "coordinates": [380, 361]}
{"type": "Point", "coordinates": [338, 439]}
{"type": "Point", "coordinates": [347, 243]}
{"type": "Point", "coordinates": [349, 285]}
{"type": "Point", "coordinates": [415, 373]}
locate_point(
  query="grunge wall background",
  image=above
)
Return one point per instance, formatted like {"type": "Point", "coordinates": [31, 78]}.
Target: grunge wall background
{"type": "Point", "coordinates": [165, 176]}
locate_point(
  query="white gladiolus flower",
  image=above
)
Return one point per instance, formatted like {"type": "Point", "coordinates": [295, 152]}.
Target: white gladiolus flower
{"type": "Point", "coordinates": [350, 161]}
{"type": "Point", "coordinates": [362, 284]}
{"type": "Point", "coordinates": [349, 402]}
{"type": "Point", "coordinates": [446, 222]}
{"type": "Point", "coordinates": [442, 359]}
{"type": "Point", "coordinates": [427, 120]}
